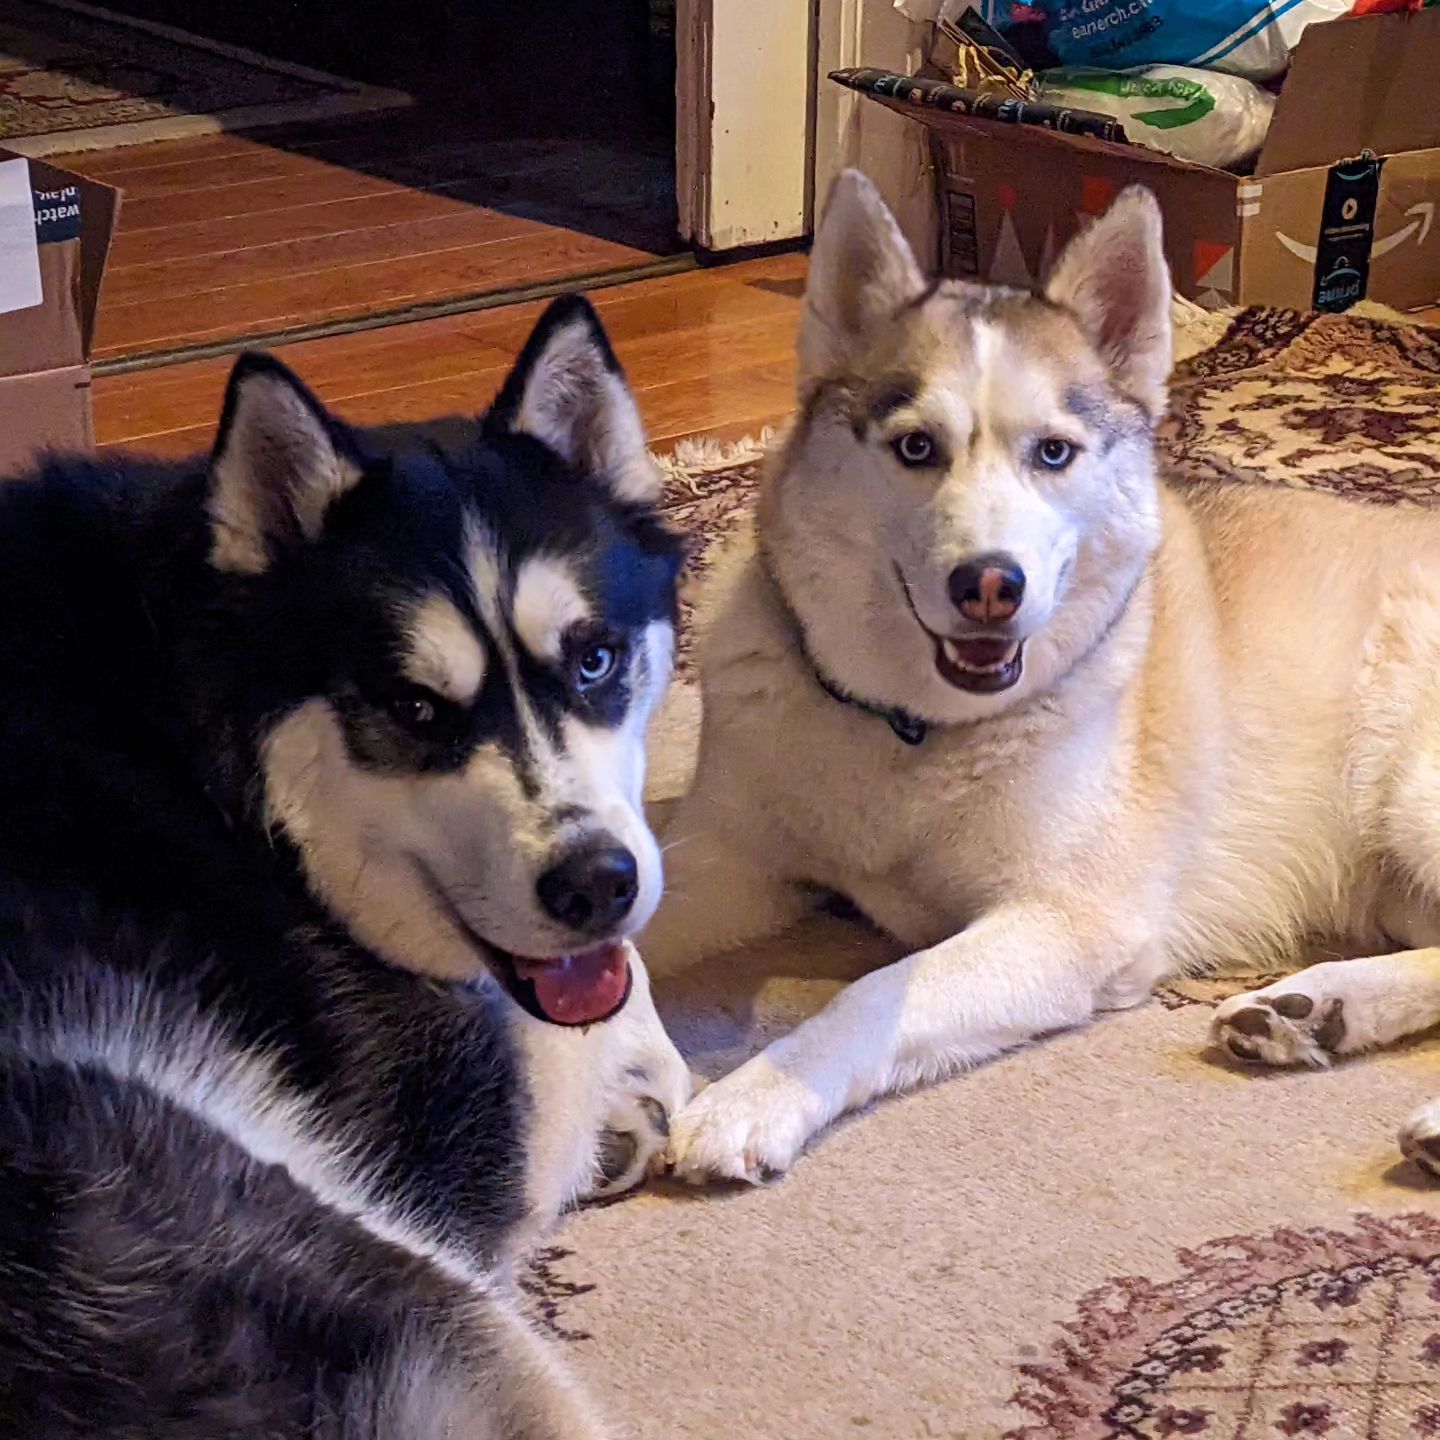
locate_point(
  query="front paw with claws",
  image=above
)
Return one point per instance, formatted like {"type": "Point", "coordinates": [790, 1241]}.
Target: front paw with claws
{"type": "Point", "coordinates": [749, 1126]}
{"type": "Point", "coordinates": [633, 1144]}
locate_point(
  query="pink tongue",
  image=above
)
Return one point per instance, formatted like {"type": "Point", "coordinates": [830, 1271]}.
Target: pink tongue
{"type": "Point", "coordinates": [579, 988]}
{"type": "Point", "coordinates": [983, 651]}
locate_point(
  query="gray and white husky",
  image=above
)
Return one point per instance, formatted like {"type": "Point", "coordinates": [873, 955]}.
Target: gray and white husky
{"type": "Point", "coordinates": [320, 769]}
{"type": "Point", "coordinates": [1060, 728]}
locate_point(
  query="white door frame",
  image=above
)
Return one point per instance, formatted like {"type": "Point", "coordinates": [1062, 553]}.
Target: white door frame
{"type": "Point", "coordinates": [745, 74]}
{"type": "Point", "coordinates": [852, 130]}
{"type": "Point", "coordinates": [761, 131]}
{"type": "Point", "coordinates": [840, 37]}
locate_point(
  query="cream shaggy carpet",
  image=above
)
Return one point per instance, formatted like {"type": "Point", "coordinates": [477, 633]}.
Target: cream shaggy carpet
{"type": "Point", "coordinates": [1110, 1234]}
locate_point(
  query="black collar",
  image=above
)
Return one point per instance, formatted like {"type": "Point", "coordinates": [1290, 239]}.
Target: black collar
{"type": "Point", "coordinates": [910, 728]}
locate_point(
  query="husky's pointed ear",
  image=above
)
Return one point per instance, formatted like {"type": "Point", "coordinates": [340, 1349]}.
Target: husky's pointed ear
{"type": "Point", "coordinates": [568, 391]}
{"type": "Point", "coordinates": [1114, 278]}
{"type": "Point", "coordinates": [280, 462]}
{"type": "Point", "coordinates": [861, 271]}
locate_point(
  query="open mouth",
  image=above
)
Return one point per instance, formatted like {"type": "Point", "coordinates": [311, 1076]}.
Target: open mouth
{"type": "Point", "coordinates": [981, 663]}
{"type": "Point", "coordinates": [582, 988]}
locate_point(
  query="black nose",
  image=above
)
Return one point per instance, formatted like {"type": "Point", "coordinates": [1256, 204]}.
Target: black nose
{"type": "Point", "coordinates": [592, 889]}
{"type": "Point", "coordinates": [988, 588]}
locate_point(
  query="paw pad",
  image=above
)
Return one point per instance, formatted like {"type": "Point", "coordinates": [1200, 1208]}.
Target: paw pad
{"type": "Point", "coordinates": [1241, 1049]}
{"type": "Point", "coordinates": [617, 1152]}
{"type": "Point", "coordinates": [1280, 1029]}
{"type": "Point", "coordinates": [1252, 1021]}
{"type": "Point", "coordinates": [632, 1146]}
{"type": "Point", "coordinates": [1330, 1033]}
{"type": "Point", "coordinates": [1293, 1007]}
{"type": "Point", "coordinates": [656, 1114]}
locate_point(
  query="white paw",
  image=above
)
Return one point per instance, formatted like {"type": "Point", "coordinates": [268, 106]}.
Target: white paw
{"type": "Point", "coordinates": [1300, 1019]}
{"type": "Point", "coordinates": [652, 1086]}
{"type": "Point", "coordinates": [749, 1126]}
{"type": "Point", "coordinates": [633, 1143]}
{"type": "Point", "coordinates": [1420, 1138]}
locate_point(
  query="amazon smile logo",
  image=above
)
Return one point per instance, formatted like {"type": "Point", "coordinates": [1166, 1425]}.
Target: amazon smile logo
{"type": "Point", "coordinates": [1419, 228]}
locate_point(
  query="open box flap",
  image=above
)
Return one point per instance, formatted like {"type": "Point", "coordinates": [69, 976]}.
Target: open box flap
{"type": "Point", "coordinates": [99, 212]}
{"type": "Point", "coordinates": [1139, 155]}
{"type": "Point", "coordinates": [903, 95]}
{"type": "Point", "coordinates": [1371, 83]}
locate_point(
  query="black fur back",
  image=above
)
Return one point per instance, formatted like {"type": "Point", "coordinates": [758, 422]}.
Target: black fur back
{"type": "Point", "coordinates": [155, 1279]}
{"type": "Point", "coordinates": [203, 1078]}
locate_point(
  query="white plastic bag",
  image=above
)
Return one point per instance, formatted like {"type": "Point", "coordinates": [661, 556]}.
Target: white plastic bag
{"type": "Point", "coordinates": [1198, 115]}
{"type": "Point", "coordinates": [1242, 37]}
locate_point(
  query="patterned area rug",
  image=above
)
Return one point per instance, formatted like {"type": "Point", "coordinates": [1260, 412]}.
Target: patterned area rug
{"type": "Point", "coordinates": [1108, 1236]}
{"type": "Point", "coordinates": [75, 77]}
{"type": "Point", "coordinates": [1291, 1333]}
{"type": "Point", "coordinates": [1327, 402]}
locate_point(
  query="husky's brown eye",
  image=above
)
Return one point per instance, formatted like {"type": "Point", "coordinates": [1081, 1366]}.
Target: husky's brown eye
{"type": "Point", "coordinates": [413, 708]}
{"type": "Point", "coordinates": [914, 447]}
{"type": "Point", "coordinates": [1055, 453]}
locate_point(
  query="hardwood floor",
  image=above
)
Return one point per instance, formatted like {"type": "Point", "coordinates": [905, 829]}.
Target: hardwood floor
{"type": "Point", "coordinates": [224, 236]}
{"type": "Point", "coordinates": [710, 351]}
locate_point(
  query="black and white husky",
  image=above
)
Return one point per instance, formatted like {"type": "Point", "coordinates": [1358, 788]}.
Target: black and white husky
{"type": "Point", "coordinates": [320, 773]}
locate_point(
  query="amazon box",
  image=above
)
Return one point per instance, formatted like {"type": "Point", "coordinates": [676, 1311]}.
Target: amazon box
{"type": "Point", "coordinates": [1341, 207]}
{"type": "Point", "coordinates": [55, 232]}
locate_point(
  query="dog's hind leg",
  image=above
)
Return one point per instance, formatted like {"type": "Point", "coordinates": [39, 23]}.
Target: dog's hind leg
{"type": "Point", "coordinates": [1339, 1008]}
{"type": "Point", "coordinates": [1342, 1007]}
{"type": "Point", "coordinates": [1336, 1008]}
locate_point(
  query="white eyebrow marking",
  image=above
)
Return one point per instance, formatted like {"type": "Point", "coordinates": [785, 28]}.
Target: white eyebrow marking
{"type": "Point", "coordinates": [547, 603]}
{"type": "Point", "coordinates": [487, 574]}
{"type": "Point", "coordinates": [445, 654]}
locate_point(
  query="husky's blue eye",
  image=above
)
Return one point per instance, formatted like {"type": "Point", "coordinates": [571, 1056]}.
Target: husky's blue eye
{"type": "Point", "coordinates": [914, 447]}
{"type": "Point", "coordinates": [594, 665]}
{"type": "Point", "coordinates": [1055, 453]}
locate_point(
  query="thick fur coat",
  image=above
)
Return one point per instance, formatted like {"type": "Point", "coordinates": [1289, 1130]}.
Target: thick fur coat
{"type": "Point", "coordinates": [1060, 728]}
{"type": "Point", "coordinates": [298, 749]}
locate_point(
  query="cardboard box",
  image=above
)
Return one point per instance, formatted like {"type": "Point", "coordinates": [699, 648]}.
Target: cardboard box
{"type": "Point", "coordinates": [49, 293]}
{"type": "Point", "coordinates": [1342, 205]}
